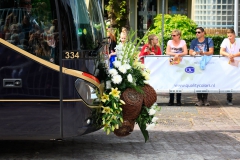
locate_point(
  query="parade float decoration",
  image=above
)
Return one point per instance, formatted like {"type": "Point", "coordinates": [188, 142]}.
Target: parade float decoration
{"type": "Point", "coordinates": [128, 99]}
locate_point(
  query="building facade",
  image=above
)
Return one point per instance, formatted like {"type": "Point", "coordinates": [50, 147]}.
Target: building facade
{"type": "Point", "coordinates": [214, 14]}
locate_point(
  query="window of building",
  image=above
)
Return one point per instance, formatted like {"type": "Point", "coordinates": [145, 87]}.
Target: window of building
{"type": "Point", "coordinates": [147, 10]}
{"type": "Point", "coordinates": [178, 7]}
{"type": "Point", "coordinates": [218, 9]}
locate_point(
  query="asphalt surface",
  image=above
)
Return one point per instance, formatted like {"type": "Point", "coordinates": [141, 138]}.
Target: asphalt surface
{"type": "Point", "coordinates": [182, 133]}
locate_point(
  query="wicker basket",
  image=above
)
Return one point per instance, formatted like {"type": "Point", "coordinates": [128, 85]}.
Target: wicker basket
{"type": "Point", "coordinates": [132, 108]}
{"type": "Point", "coordinates": [150, 96]}
{"type": "Point", "coordinates": [125, 129]}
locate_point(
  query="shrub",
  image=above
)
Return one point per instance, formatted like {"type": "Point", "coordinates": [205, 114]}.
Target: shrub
{"type": "Point", "coordinates": [217, 40]}
{"type": "Point", "coordinates": [171, 22]}
{"type": "Point", "coordinates": [185, 25]}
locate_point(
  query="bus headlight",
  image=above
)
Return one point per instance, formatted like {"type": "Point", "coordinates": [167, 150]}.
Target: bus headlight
{"type": "Point", "coordinates": [88, 92]}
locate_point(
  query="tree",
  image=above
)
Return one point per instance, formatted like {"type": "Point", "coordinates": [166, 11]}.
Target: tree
{"type": "Point", "coordinates": [118, 12]}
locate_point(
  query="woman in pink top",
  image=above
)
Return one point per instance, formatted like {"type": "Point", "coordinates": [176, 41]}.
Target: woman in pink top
{"type": "Point", "coordinates": [151, 48]}
{"type": "Point", "coordinates": [177, 48]}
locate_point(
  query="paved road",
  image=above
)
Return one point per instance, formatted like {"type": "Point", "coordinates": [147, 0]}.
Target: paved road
{"type": "Point", "coordinates": [182, 133]}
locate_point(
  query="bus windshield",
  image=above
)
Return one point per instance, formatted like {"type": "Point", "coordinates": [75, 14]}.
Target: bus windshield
{"type": "Point", "coordinates": [82, 24]}
{"type": "Point", "coordinates": [32, 25]}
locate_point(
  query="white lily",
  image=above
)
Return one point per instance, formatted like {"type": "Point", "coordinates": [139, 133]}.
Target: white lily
{"type": "Point", "coordinates": [154, 119]}
{"type": "Point", "coordinates": [150, 126]}
{"type": "Point", "coordinates": [130, 78]}
{"type": "Point", "coordinates": [152, 111]}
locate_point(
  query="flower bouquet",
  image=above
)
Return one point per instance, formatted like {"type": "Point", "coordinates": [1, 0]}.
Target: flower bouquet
{"type": "Point", "coordinates": [128, 98]}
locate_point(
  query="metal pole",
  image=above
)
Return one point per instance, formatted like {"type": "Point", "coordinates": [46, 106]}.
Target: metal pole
{"type": "Point", "coordinates": [60, 72]}
{"type": "Point", "coordinates": [236, 3]}
{"type": "Point", "coordinates": [162, 45]}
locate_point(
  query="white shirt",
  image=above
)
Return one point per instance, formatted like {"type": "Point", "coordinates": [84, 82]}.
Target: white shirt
{"type": "Point", "coordinates": [231, 48]}
{"type": "Point", "coordinates": [176, 49]}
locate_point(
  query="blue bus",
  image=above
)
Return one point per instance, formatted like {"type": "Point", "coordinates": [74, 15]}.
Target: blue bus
{"type": "Point", "coordinates": [51, 55]}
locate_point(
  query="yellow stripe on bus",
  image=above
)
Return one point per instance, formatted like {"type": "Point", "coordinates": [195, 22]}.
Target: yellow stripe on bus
{"type": "Point", "coordinates": [55, 67]}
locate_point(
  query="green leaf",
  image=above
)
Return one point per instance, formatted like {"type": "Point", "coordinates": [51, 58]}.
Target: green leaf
{"type": "Point", "coordinates": [144, 132]}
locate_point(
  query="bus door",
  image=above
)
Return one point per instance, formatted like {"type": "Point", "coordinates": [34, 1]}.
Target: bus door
{"type": "Point", "coordinates": [82, 51]}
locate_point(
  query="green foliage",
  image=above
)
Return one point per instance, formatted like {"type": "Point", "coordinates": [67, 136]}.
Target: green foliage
{"type": "Point", "coordinates": [217, 40]}
{"type": "Point", "coordinates": [171, 22]}
{"type": "Point", "coordinates": [146, 117]}
{"type": "Point", "coordinates": [118, 13]}
{"type": "Point", "coordinates": [41, 9]}
{"type": "Point", "coordinates": [143, 119]}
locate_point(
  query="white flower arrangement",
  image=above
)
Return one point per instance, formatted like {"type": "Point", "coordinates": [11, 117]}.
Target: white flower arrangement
{"type": "Point", "coordinates": [127, 72]}
{"type": "Point", "coordinates": [116, 79]}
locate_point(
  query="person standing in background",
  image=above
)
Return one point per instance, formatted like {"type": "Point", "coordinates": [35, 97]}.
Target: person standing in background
{"type": "Point", "coordinates": [230, 48]}
{"type": "Point", "coordinates": [201, 46]}
{"type": "Point", "coordinates": [112, 44]}
{"type": "Point", "coordinates": [113, 55]}
{"type": "Point", "coordinates": [151, 48]}
{"type": "Point", "coordinates": [177, 48]}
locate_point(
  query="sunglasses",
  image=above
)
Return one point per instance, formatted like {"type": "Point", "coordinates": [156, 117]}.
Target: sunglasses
{"type": "Point", "coordinates": [198, 32]}
{"type": "Point", "coordinates": [174, 35]}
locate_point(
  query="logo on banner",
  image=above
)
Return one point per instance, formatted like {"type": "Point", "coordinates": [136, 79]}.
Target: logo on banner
{"type": "Point", "coordinates": [189, 69]}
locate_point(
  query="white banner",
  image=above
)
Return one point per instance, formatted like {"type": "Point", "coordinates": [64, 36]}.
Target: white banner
{"type": "Point", "coordinates": [187, 76]}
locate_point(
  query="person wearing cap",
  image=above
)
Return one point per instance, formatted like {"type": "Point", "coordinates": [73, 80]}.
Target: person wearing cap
{"type": "Point", "coordinates": [230, 48]}
{"type": "Point", "coordinates": [201, 45]}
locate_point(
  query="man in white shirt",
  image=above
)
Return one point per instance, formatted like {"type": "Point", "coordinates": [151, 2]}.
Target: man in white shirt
{"type": "Point", "coordinates": [230, 48]}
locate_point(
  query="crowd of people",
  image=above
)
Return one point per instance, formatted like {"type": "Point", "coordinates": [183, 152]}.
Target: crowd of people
{"type": "Point", "coordinates": [176, 48]}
